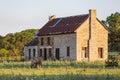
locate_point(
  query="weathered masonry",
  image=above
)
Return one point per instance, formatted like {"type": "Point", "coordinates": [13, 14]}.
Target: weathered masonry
{"type": "Point", "coordinates": [79, 38]}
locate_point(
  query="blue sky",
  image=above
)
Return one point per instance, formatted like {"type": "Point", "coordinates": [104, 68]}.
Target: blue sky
{"type": "Point", "coordinates": [17, 15]}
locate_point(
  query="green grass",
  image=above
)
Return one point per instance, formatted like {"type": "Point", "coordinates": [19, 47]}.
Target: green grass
{"type": "Point", "coordinates": [58, 70]}
{"type": "Point", "coordinates": [15, 58]}
{"type": "Point", "coordinates": [113, 53]}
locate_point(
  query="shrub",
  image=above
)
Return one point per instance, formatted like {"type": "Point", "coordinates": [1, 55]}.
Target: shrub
{"type": "Point", "coordinates": [112, 62]}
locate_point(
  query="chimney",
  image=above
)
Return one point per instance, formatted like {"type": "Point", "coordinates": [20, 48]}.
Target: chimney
{"type": "Point", "coordinates": [92, 21]}
{"type": "Point", "coordinates": [52, 17]}
{"type": "Point", "coordinates": [92, 13]}
{"type": "Point", "coordinates": [92, 33]}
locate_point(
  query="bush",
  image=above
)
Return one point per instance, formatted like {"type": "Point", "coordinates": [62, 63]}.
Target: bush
{"type": "Point", "coordinates": [4, 52]}
{"type": "Point", "coordinates": [112, 62]}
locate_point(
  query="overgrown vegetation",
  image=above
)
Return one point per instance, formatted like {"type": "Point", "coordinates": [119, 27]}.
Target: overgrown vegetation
{"type": "Point", "coordinates": [13, 44]}
{"type": "Point", "coordinates": [58, 70]}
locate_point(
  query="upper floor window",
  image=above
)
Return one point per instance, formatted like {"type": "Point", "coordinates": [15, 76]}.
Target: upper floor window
{"type": "Point", "coordinates": [48, 40]}
{"type": "Point", "coordinates": [42, 41]}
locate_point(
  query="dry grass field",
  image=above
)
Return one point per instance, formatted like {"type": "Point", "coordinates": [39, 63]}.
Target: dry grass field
{"type": "Point", "coordinates": [58, 70]}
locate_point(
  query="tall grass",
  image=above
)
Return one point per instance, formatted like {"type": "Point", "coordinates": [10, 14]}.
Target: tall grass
{"type": "Point", "coordinates": [114, 53]}
{"type": "Point", "coordinates": [58, 70]}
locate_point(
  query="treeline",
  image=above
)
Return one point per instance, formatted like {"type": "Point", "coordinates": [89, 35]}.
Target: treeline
{"type": "Point", "coordinates": [113, 24]}
{"type": "Point", "coordinates": [13, 43]}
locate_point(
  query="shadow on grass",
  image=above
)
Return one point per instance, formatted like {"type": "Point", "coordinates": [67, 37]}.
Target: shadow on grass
{"type": "Point", "coordinates": [60, 77]}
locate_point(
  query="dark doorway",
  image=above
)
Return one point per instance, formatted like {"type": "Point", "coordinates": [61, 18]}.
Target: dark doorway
{"type": "Point", "coordinates": [57, 55]}
{"type": "Point", "coordinates": [45, 54]}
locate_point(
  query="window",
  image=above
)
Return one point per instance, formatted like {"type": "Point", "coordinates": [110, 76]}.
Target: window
{"type": "Point", "coordinates": [45, 54]}
{"type": "Point", "coordinates": [84, 52]}
{"type": "Point", "coordinates": [34, 51]}
{"type": "Point", "coordinates": [48, 40]}
{"type": "Point", "coordinates": [68, 51]}
{"type": "Point", "coordinates": [29, 51]}
{"type": "Point", "coordinates": [40, 55]}
{"type": "Point", "coordinates": [100, 52]}
{"type": "Point", "coordinates": [57, 53]}
{"type": "Point", "coordinates": [42, 43]}
{"type": "Point", "coordinates": [50, 52]}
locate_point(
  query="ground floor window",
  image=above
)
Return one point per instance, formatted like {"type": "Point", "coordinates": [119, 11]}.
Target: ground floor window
{"type": "Point", "coordinates": [45, 54]}
{"type": "Point", "coordinates": [50, 52]}
{"type": "Point", "coordinates": [40, 54]}
{"type": "Point", "coordinates": [34, 51]}
{"type": "Point", "coordinates": [84, 52]}
{"type": "Point", "coordinates": [100, 52]}
{"type": "Point", "coordinates": [57, 53]}
{"type": "Point", "coordinates": [29, 52]}
{"type": "Point", "coordinates": [68, 51]}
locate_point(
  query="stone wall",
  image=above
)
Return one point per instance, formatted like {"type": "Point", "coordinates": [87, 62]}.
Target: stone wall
{"type": "Point", "coordinates": [82, 35]}
{"type": "Point", "coordinates": [62, 42]}
{"type": "Point", "coordinates": [92, 35]}
{"type": "Point", "coordinates": [98, 39]}
{"type": "Point", "coordinates": [26, 52]}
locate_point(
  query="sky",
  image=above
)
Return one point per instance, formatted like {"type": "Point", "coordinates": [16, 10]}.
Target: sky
{"type": "Point", "coordinates": [18, 15]}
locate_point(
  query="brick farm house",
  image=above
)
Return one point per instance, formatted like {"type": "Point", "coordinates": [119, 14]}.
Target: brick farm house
{"type": "Point", "coordinates": [79, 38]}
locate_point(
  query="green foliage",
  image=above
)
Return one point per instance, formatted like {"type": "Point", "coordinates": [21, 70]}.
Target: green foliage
{"type": "Point", "coordinates": [112, 62]}
{"type": "Point", "coordinates": [4, 52]}
{"type": "Point", "coordinates": [1, 38]}
{"type": "Point", "coordinates": [113, 23]}
{"type": "Point", "coordinates": [15, 42]}
{"type": "Point", "coordinates": [113, 53]}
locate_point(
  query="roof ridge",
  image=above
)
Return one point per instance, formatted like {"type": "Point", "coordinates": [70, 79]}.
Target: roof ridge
{"type": "Point", "coordinates": [72, 16]}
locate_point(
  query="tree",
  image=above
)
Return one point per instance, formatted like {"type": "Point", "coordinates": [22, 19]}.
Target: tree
{"type": "Point", "coordinates": [1, 38]}
{"type": "Point", "coordinates": [4, 52]}
{"type": "Point", "coordinates": [14, 43]}
{"type": "Point", "coordinates": [113, 23]}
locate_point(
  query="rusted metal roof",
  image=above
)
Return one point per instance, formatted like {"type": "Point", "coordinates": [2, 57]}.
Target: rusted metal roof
{"type": "Point", "coordinates": [62, 25]}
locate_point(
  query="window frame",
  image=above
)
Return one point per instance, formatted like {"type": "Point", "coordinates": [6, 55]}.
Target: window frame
{"type": "Point", "coordinates": [29, 52]}
{"type": "Point", "coordinates": [42, 41]}
{"type": "Point", "coordinates": [68, 51]}
{"type": "Point", "coordinates": [48, 40]}
{"type": "Point", "coordinates": [40, 54]}
{"type": "Point", "coordinates": [50, 52]}
{"type": "Point", "coordinates": [85, 54]}
{"type": "Point", "coordinates": [34, 52]}
{"type": "Point", "coordinates": [100, 52]}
